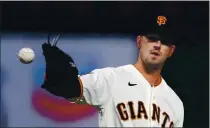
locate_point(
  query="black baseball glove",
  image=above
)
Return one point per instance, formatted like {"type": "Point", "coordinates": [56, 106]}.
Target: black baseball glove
{"type": "Point", "coordinates": [61, 76]}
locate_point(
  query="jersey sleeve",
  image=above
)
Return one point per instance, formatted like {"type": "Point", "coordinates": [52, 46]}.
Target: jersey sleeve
{"type": "Point", "coordinates": [97, 86]}
{"type": "Point", "coordinates": [180, 120]}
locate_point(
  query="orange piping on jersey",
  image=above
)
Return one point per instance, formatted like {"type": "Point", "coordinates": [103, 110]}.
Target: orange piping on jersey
{"type": "Point", "coordinates": [122, 107]}
{"type": "Point", "coordinates": [81, 93]}
{"type": "Point", "coordinates": [156, 113]}
{"type": "Point", "coordinates": [140, 107]}
{"type": "Point", "coordinates": [132, 107]}
{"type": "Point", "coordinates": [166, 116]}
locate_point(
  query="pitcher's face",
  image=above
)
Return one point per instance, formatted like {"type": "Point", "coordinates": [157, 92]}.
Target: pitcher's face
{"type": "Point", "coordinates": [154, 52]}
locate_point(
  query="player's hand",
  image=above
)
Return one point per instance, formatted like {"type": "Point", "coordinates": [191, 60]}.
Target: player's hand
{"type": "Point", "coordinates": [60, 70]}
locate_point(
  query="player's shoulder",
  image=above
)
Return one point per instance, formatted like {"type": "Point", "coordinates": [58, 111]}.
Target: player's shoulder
{"type": "Point", "coordinates": [123, 68]}
{"type": "Point", "coordinates": [173, 95]}
{"type": "Point", "coordinates": [103, 70]}
{"type": "Point", "coordinates": [108, 71]}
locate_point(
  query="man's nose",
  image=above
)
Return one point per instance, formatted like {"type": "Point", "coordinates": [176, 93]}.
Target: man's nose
{"type": "Point", "coordinates": [157, 45]}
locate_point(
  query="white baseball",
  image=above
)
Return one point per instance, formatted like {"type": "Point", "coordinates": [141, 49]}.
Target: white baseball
{"type": "Point", "coordinates": [26, 55]}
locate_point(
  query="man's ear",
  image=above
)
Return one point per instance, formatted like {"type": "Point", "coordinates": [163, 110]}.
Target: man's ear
{"type": "Point", "coordinates": [138, 41]}
{"type": "Point", "coordinates": [172, 50]}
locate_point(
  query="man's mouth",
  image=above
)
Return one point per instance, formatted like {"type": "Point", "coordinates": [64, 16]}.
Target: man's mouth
{"type": "Point", "coordinates": [155, 53]}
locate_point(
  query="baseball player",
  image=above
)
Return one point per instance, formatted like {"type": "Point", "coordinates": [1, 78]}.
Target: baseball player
{"type": "Point", "coordinates": [133, 95]}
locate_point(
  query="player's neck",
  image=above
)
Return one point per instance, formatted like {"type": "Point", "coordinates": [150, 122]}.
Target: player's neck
{"type": "Point", "coordinates": [148, 69]}
{"type": "Point", "coordinates": [152, 75]}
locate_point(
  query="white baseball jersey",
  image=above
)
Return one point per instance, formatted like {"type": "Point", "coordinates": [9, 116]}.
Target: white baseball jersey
{"type": "Point", "coordinates": [126, 99]}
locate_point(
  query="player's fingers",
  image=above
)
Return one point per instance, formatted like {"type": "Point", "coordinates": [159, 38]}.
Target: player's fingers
{"type": "Point", "coordinates": [56, 39]}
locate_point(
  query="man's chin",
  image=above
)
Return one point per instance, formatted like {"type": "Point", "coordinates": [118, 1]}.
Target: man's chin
{"type": "Point", "coordinates": [154, 63]}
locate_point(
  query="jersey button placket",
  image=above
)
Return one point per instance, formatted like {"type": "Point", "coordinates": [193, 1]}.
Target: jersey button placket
{"type": "Point", "coordinates": [150, 106]}
{"type": "Point", "coordinates": [153, 102]}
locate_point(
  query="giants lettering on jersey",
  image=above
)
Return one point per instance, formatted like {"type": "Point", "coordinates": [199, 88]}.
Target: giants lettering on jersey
{"type": "Point", "coordinates": [142, 113]}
